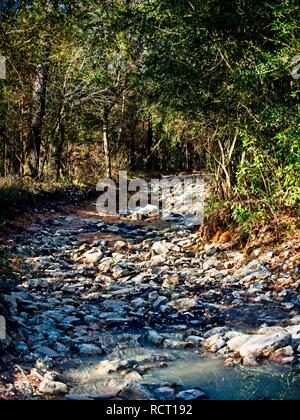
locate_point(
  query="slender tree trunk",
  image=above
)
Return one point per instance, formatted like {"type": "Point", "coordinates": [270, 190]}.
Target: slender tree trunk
{"type": "Point", "coordinates": [123, 122]}
{"type": "Point", "coordinates": [150, 144]}
{"type": "Point", "coordinates": [38, 113]}
{"type": "Point", "coordinates": [106, 144]}
{"type": "Point", "coordinates": [56, 141]}
{"type": "Point", "coordinates": [59, 152]}
{"type": "Point", "coordinates": [187, 156]}
{"type": "Point", "coordinates": [133, 145]}
{"type": "Point", "coordinates": [23, 137]}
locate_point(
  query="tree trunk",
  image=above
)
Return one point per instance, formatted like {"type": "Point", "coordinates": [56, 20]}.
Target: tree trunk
{"type": "Point", "coordinates": [55, 143]}
{"type": "Point", "coordinates": [23, 137]}
{"type": "Point", "coordinates": [150, 144]}
{"type": "Point", "coordinates": [38, 113]}
{"type": "Point", "coordinates": [106, 144]}
{"type": "Point", "coordinates": [4, 153]}
{"type": "Point", "coordinates": [59, 152]}
{"type": "Point", "coordinates": [133, 146]}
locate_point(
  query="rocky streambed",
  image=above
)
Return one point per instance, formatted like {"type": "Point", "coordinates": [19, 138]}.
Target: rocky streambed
{"type": "Point", "coordinates": [125, 310]}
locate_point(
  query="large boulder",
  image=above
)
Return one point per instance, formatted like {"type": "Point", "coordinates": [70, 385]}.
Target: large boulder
{"type": "Point", "coordinates": [263, 345]}
{"type": "Point", "coordinates": [237, 342]}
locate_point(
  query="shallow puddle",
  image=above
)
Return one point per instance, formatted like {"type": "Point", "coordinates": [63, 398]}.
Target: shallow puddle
{"type": "Point", "coordinates": [188, 370]}
{"type": "Point", "coordinates": [224, 383]}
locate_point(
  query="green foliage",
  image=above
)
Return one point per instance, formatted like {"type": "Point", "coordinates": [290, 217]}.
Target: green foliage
{"type": "Point", "coordinates": [179, 85]}
{"type": "Point", "coordinates": [250, 217]}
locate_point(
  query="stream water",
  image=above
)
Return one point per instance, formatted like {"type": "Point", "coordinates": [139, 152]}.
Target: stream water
{"type": "Point", "coordinates": [189, 370]}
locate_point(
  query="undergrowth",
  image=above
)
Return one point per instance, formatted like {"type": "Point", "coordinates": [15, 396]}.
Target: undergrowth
{"type": "Point", "coordinates": [248, 219]}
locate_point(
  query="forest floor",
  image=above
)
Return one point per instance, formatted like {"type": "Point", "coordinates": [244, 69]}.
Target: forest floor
{"type": "Point", "coordinates": [113, 308]}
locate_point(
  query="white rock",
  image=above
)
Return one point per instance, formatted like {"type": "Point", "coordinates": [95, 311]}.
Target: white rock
{"type": "Point", "coordinates": [93, 256]}
{"type": "Point", "coordinates": [194, 339]}
{"type": "Point", "coordinates": [120, 245]}
{"type": "Point", "coordinates": [164, 247]}
{"type": "Point", "coordinates": [173, 344]}
{"type": "Point", "coordinates": [161, 247]}
{"type": "Point", "coordinates": [231, 334]}
{"type": "Point", "coordinates": [264, 346]}
{"type": "Point", "coordinates": [118, 272]}
{"type": "Point", "coordinates": [294, 331]}
{"type": "Point", "coordinates": [271, 330]}
{"type": "Point", "coordinates": [237, 342]}
{"type": "Point", "coordinates": [214, 343]}
{"type": "Point", "coordinates": [133, 376]}
{"type": "Point", "coordinates": [52, 388]}
{"type": "Point", "coordinates": [210, 263]}
{"type": "Point", "coordinates": [284, 355]}
{"type": "Point", "coordinates": [139, 213]}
